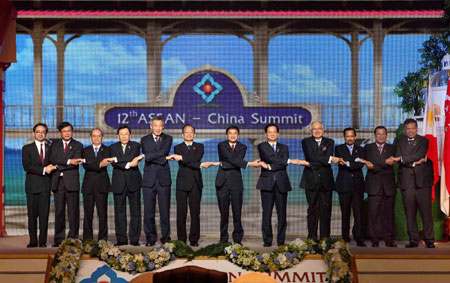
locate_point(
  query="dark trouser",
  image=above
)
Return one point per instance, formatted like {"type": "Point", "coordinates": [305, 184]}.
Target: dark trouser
{"type": "Point", "coordinates": [413, 199]}
{"type": "Point", "coordinates": [163, 194]}
{"type": "Point", "coordinates": [225, 195]}
{"type": "Point", "coordinates": [194, 197]}
{"type": "Point", "coordinates": [351, 200]}
{"type": "Point", "coordinates": [381, 217]}
{"type": "Point", "coordinates": [319, 207]}
{"type": "Point", "coordinates": [61, 197]}
{"type": "Point", "coordinates": [99, 200]}
{"type": "Point", "coordinates": [120, 213]}
{"type": "Point", "coordinates": [268, 200]}
{"type": "Point", "coordinates": [38, 207]}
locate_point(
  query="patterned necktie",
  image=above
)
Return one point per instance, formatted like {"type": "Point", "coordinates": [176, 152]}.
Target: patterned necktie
{"type": "Point", "coordinates": [318, 143]}
{"type": "Point", "coordinates": [65, 146]}
{"type": "Point", "coordinates": [410, 141]}
{"type": "Point", "coordinates": [42, 154]}
{"type": "Point", "coordinates": [380, 149]}
{"type": "Point", "coordinates": [351, 150]}
{"type": "Point", "coordinates": [232, 147]}
{"type": "Point", "coordinates": [189, 147]}
{"type": "Point", "coordinates": [95, 151]}
{"type": "Point", "coordinates": [124, 146]}
{"type": "Point", "coordinates": [156, 139]}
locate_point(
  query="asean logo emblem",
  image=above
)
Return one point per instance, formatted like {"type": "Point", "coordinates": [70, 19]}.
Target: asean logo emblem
{"type": "Point", "coordinates": [207, 88]}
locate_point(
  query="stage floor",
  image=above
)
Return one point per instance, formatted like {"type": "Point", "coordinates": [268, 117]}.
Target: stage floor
{"type": "Point", "coordinates": [17, 245]}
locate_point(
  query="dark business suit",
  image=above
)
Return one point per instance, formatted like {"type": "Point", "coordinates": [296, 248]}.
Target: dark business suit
{"type": "Point", "coordinates": [66, 188]}
{"type": "Point", "coordinates": [230, 188]}
{"type": "Point", "coordinates": [95, 188]}
{"type": "Point", "coordinates": [37, 188]}
{"type": "Point", "coordinates": [415, 182]}
{"type": "Point", "coordinates": [156, 183]}
{"type": "Point", "coordinates": [381, 190]}
{"type": "Point", "coordinates": [318, 182]}
{"type": "Point", "coordinates": [350, 186]}
{"type": "Point", "coordinates": [126, 183]}
{"type": "Point", "coordinates": [274, 186]}
{"type": "Point", "coordinates": [189, 186]}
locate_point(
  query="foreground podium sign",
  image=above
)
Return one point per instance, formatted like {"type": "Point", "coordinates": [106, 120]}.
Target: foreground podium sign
{"type": "Point", "coordinates": [312, 269]}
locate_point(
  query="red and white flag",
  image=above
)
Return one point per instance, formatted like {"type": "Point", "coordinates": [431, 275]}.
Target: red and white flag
{"type": "Point", "coordinates": [429, 131]}
{"type": "Point", "coordinates": [445, 177]}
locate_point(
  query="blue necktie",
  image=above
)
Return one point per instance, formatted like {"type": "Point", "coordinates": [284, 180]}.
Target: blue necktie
{"type": "Point", "coordinates": [274, 149]}
{"type": "Point", "coordinates": [95, 151]}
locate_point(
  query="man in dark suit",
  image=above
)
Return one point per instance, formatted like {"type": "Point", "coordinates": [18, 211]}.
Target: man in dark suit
{"type": "Point", "coordinates": [157, 181]}
{"type": "Point", "coordinates": [350, 186]}
{"type": "Point", "coordinates": [66, 155]}
{"type": "Point", "coordinates": [273, 183]}
{"type": "Point", "coordinates": [380, 188]}
{"type": "Point", "coordinates": [126, 182]}
{"type": "Point", "coordinates": [37, 184]}
{"type": "Point", "coordinates": [189, 184]}
{"type": "Point", "coordinates": [96, 185]}
{"type": "Point", "coordinates": [229, 185]}
{"type": "Point", "coordinates": [415, 179]}
{"type": "Point", "coordinates": [317, 180]}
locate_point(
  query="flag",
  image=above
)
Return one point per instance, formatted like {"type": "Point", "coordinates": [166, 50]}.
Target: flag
{"type": "Point", "coordinates": [429, 132]}
{"type": "Point", "coordinates": [445, 174]}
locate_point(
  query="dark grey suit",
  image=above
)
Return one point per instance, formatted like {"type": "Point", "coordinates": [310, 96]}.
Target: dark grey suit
{"type": "Point", "coordinates": [274, 185]}
{"type": "Point", "coordinates": [415, 182]}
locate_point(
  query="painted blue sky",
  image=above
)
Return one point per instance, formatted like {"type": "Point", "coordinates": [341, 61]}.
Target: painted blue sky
{"type": "Point", "coordinates": [302, 69]}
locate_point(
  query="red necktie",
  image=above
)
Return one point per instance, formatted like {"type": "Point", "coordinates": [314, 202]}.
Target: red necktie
{"type": "Point", "coordinates": [380, 149]}
{"type": "Point", "coordinates": [65, 146]}
{"type": "Point", "coordinates": [42, 154]}
{"type": "Point", "coordinates": [232, 147]}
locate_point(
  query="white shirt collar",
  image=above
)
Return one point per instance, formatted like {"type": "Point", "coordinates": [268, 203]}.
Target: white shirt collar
{"type": "Point", "coordinates": [318, 140]}
{"type": "Point", "coordinates": [273, 143]}
{"type": "Point", "coordinates": [38, 143]}
{"type": "Point", "coordinates": [231, 144]}
{"type": "Point", "coordinates": [96, 146]}
{"type": "Point", "coordinates": [188, 144]}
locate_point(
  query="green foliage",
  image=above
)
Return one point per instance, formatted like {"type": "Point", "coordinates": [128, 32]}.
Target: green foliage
{"type": "Point", "coordinates": [433, 50]}
{"type": "Point", "coordinates": [409, 89]}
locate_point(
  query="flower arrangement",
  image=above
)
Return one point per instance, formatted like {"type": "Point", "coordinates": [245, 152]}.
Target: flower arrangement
{"type": "Point", "coordinates": [66, 262]}
{"type": "Point", "coordinates": [335, 253]}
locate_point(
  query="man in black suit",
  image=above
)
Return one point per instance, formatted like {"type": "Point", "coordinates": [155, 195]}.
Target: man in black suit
{"type": "Point", "coordinates": [126, 182]}
{"type": "Point", "coordinates": [189, 184]}
{"type": "Point", "coordinates": [157, 181]}
{"type": "Point", "coordinates": [66, 155]}
{"type": "Point", "coordinates": [380, 188]}
{"type": "Point", "coordinates": [273, 183]}
{"type": "Point", "coordinates": [415, 179]}
{"type": "Point", "coordinates": [37, 184]}
{"type": "Point", "coordinates": [317, 180]}
{"type": "Point", "coordinates": [96, 185]}
{"type": "Point", "coordinates": [350, 186]}
{"type": "Point", "coordinates": [229, 185]}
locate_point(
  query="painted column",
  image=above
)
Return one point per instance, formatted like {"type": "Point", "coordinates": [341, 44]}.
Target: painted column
{"type": "Point", "coordinates": [38, 36]}
{"type": "Point", "coordinates": [60, 50]}
{"type": "Point", "coordinates": [354, 50]}
{"type": "Point", "coordinates": [260, 46]}
{"type": "Point", "coordinates": [152, 38]}
{"type": "Point", "coordinates": [377, 40]}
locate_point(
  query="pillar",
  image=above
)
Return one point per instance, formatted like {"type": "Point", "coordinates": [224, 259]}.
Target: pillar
{"type": "Point", "coordinates": [60, 50]}
{"type": "Point", "coordinates": [38, 36]}
{"type": "Point", "coordinates": [152, 38]}
{"type": "Point", "coordinates": [260, 47]}
{"type": "Point", "coordinates": [377, 40]}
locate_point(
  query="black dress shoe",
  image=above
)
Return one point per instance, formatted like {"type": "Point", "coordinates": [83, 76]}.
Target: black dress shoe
{"type": "Point", "coordinates": [43, 245]}
{"type": "Point", "coordinates": [267, 245]}
{"type": "Point", "coordinates": [430, 245]}
{"type": "Point", "coordinates": [391, 244]}
{"type": "Point", "coordinates": [31, 245]}
{"type": "Point", "coordinates": [55, 245]}
{"type": "Point", "coordinates": [411, 245]}
{"type": "Point", "coordinates": [150, 244]}
{"type": "Point", "coordinates": [136, 244]}
{"type": "Point", "coordinates": [361, 244]}
{"type": "Point", "coordinates": [120, 243]}
{"type": "Point", "coordinates": [375, 245]}
{"type": "Point", "coordinates": [194, 244]}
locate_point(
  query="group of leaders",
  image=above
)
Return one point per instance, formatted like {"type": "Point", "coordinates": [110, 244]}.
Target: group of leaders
{"type": "Point", "coordinates": [54, 168]}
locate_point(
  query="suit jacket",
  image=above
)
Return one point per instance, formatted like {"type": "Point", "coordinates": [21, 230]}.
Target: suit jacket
{"type": "Point", "coordinates": [381, 175]}
{"type": "Point", "coordinates": [71, 173]}
{"type": "Point", "coordinates": [319, 169]}
{"type": "Point", "coordinates": [95, 176]}
{"type": "Point", "coordinates": [278, 163]}
{"type": "Point", "coordinates": [35, 181]}
{"type": "Point", "coordinates": [189, 168]}
{"type": "Point", "coordinates": [229, 172]}
{"type": "Point", "coordinates": [421, 174]}
{"type": "Point", "coordinates": [156, 165]}
{"type": "Point", "coordinates": [349, 175]}
{"type": "Point", "coordinates": [122, 177]}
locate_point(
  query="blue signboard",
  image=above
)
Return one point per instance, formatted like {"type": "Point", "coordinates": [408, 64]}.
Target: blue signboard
{"type": "Point", "coordinates": [209, 100]}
